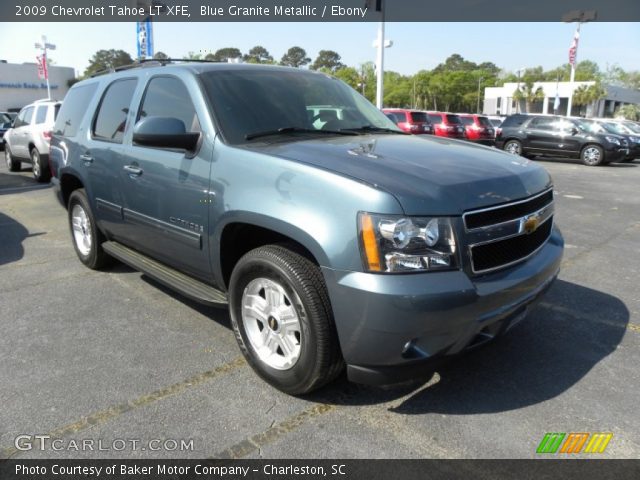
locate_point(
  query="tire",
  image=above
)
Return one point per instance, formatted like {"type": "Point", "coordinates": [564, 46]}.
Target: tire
{"type": "Point", "coordinates": [272, 283]}
{"type": "Point", "coordinates": [513, 146]}
{"type": "Point", "coordinates": [40, 172]}
{"type": "Point", "coordinates": [12, 164]}
{"type": "Point", "coordinates": [592, 155]}
{"type": "Point", "coordinates": [86, 237]}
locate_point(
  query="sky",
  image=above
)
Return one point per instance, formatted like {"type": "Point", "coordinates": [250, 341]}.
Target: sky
{"type": "Point", "coordinates": [416, 46]}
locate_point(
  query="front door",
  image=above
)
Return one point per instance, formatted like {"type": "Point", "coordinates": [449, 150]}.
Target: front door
{"type": "Point", "coordinates": [166, 190]}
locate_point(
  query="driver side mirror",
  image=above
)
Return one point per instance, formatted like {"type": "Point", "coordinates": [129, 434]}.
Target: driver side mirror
{"type": "Point", "coordinates": [164, 132]}
{"type": "Point", "coordinates": [574, 130]}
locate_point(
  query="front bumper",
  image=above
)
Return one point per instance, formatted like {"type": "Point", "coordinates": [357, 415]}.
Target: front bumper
{"type": "Point", "coordinates": [398, 327]}
{"type": "Point", "coordinates": [616, 154]}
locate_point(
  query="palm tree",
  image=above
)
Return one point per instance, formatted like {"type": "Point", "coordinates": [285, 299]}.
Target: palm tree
{"type": "Point", "coordinates": [529, 94]}
{"type": "Point", "coordinates": [586, 95]}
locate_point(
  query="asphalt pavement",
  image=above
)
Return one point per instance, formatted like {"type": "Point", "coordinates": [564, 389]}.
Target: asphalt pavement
{"type": "Point", "coordinates": [113, 360]}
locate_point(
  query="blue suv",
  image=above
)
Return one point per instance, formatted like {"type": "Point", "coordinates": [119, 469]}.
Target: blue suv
{"type": "Point", "coordinates": [336, 240]}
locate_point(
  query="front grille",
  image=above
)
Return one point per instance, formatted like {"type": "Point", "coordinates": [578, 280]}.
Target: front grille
{"type": "Point", "coordinates": [495, 215]}
{"type": "Point", "coordinates": [501, 253]}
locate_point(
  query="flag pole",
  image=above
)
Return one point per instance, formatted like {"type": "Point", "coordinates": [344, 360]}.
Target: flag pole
{"type": "Point", "coordinates": [574, 45]}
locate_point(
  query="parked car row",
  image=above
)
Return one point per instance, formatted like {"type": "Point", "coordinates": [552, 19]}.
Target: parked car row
{"type": "Point", "coordinates": [594, 141]}
{"type": "Point", "coordinates": [462, 126]}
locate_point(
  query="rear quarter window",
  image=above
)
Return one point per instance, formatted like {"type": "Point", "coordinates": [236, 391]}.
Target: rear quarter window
{"type": "Point", "coordinates": [41, 114]}
{"type": "Point", "coordinates": [73, 109]}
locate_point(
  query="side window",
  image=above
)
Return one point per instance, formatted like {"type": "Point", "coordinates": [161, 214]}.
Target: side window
{"type": "Point", "coordinates": [19, 121]}
{"type": "Point", "coordinates": [111, 120]}
{"type": "Point", "coordinates": [542, 123]}
{"type": "Point", "coordinates": [28, 115]}
{"type": "Point", "coordinates": [41, 114]}
{"type": "Point", "coordinates": [73, 109]}
{"type": "Point", "coordinates": [169, 97]}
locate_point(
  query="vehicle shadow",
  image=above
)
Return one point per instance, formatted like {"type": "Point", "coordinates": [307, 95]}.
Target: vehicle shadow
{"type": "Point", "coordinates": [12, 183]}
{"type": "Point", "coordinates": [12, 234]}
{"type": "Point", "coordinates": [563, 338]}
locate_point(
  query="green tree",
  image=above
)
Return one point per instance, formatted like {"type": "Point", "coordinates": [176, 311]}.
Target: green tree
{"type": "Point", "coordinates": [106, 60]}
{"type": "Point", "coordinates": [224, 54]}
{"type": "Point", "coordinates": [258, 54]}
{"type": "Point", "coordinates": [327, 60]}
{"type": "Point", "coordinates": [160, 56]}
{"type": "Point", "coordinates": [587, 94]}
{"type": "Point", "coordinates": [194, 56]}
{"type": "Point", "coordinates": [529, 94]}
{"type": "Point", "coordinates": [295, 57]}
{"type": "Point", "coordinates": [350, 76]}
{"type": "Point", "coordinates": [587, 70]}
{"type": "Point", "coordinates": [630, 112]}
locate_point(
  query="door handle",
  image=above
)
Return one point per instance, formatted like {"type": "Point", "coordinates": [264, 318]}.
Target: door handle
{"type": "Point", "coordinates": [86, 158]}
{"type": "Point", "coordinates": [133, 171]}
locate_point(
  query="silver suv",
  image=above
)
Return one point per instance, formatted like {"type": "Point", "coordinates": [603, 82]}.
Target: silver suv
{"type": "Point", "coordinates": [28, 140]}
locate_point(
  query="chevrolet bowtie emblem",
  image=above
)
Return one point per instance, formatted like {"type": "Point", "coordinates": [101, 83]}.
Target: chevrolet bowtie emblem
{"type": "Point", "coordinates": [530, 224]}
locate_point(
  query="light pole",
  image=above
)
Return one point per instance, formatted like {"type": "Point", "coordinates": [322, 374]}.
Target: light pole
{"type": "Point", "coordinates": [380, 43]}
{"type": "Point", "coordinates": [43, 47]}
{"type": "Point", "coordinates": [520, 70]}
{"type": "Point", "coordinates": [479, 81]}
{"type": "Point", "coordinates": [580, 17]}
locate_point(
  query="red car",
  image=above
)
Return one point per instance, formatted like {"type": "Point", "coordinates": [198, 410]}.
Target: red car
{"type": "Point", "coordinates": [479, 128]}
{"type": "Point", "coordinates": [410, 121]}
{"type": "Point", "coordinates": [447, 125]}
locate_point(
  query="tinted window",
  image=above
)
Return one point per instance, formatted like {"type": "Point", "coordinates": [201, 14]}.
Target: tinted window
{"type": "Point", "coordinates": [250, 101]}
{"type": "Point", "coordinates": [41, 114]}
{"type": "Point", "coordinates": [435, 118]}
{"type": "Point", "coordinates": [419, 117]}
{"type": "Point", "coordinates": [168, 97]}
{"type": "Point", "coordinates": [514, 120]}
{"type": "Point", "coordinates": [543, 123]}
{"type": "Point", "coordinates": [72, 110]}
{"type": "Point", "coordinates": [114, 109]}
{"type": "Point", "coordinates": [453, 119]}
{"type": "Point", "coordinates": [393, 117]}
{"type": "Point", "coordinates": [484, 121]}
{"type": "Point", "coordinates": [466, 120]}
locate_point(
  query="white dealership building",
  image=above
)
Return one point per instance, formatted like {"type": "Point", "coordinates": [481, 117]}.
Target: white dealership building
{"type": "Point", "coordinates": [500, 101]}
{"type": "Point", "coordinates": [20, 85]}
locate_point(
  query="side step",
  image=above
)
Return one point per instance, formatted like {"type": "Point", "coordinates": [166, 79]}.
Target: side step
{"type": "Point", "coordinates": [184, 284]}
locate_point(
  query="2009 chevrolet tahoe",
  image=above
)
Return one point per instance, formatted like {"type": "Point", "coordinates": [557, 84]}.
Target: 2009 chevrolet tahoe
{"type": "Point", "coordinates": [335, 239]}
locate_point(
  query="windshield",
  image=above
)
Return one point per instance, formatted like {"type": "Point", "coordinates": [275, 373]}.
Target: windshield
{"type": "Point", "coordinates": [591, 127]}
{"type": "Point", "coordinates": [453, 119]}
{"type": "Point", "coordinates": [634, 127]}
{"type": "Point", "coordinates": [616, 128]}
{"type": "Point", "coordinates": [249, 101]}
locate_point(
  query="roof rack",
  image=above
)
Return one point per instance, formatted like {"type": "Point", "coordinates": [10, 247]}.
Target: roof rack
{"type": "Point", "coordinates": [151, 62]}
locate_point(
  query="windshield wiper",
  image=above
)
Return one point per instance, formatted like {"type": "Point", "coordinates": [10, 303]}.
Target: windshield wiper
{"type": "Point", "coordinates": [373, 128]}
{"type": "Point", "coordinates": [279, 131]}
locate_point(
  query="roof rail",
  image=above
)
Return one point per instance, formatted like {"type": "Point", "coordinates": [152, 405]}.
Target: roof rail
{"type": "Point", "coordinates": [151, 62]}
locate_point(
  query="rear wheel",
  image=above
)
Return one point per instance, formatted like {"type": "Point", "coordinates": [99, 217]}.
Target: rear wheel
{"type": "Point", "coordinates": [514, 147]}
{"type": "Point", "coordinates": [592, 155]}
{"type": "Point", "coordinates": [12, 164]}
{"type": "Point", "coordinates": [282, 319]}
{"type": "Point", "coordinates": [87, 238]}
{"type": "Point", "coordinates": [40, 171]}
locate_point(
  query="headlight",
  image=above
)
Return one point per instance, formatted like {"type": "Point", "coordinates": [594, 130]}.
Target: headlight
{"type": "Point", "coordinates": [613, 140]}
{"type": "Point", "coordinates": [392, 243]}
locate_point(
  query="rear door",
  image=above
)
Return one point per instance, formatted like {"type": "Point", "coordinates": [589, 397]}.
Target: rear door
{"type": "Point", "coordinates": [541, 135]}
{"type": "Point", "coordinates": [166, 190]}
{"type": "Point", "coordinates": [101, 156]}
{"type": "Point", "coordinates": [18, 139]}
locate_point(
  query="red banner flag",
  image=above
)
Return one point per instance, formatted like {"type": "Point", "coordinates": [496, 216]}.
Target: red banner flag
{"type": "Point", "coordinates": [573, 49]}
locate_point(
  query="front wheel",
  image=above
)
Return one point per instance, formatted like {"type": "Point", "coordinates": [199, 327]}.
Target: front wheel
{"type": "Point", "coordinates": [87, 238]}
{"type": "Point", "coordinates": [514, 147]}
{"type": "Point", "coordinates": [282, 319]}
{"type": "Point", "coordinates": [592, 155]}
{"type": "Point", "coordinates": [40, 170]}
{"type": "Point", "coordinates": [12, 164]}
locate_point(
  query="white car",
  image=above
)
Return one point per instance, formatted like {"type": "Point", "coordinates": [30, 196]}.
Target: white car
{"type": "Point", "coordinates": [28, 140]}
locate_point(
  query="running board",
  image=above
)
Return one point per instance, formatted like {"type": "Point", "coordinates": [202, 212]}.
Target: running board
{"type": "Point", "coordinates": [184, 284]}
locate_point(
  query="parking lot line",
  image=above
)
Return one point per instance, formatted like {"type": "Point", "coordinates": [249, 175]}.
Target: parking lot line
{"type": "Point", "coordinates": [273, 433]}
{"type": "Point", "coordinates": [103, 416]}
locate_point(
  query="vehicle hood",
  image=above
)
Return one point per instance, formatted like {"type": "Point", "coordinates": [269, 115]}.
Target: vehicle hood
{"type": "Point", "coordinates": [428, 176]}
